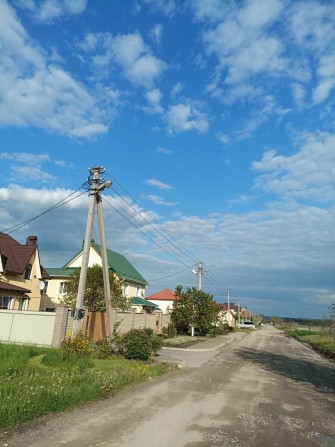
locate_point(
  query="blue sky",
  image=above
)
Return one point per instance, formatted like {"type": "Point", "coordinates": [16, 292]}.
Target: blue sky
{"type": "Point", "coordinates": [214, 119]}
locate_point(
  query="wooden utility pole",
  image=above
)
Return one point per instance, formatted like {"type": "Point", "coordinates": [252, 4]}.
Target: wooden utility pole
{"type": "Point", "coordinates": [97, 185]}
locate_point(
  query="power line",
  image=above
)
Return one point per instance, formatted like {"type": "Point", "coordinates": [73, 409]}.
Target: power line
{"type": "Point", "coordinates": [62, 202]}
{"type": "Point", "coordinates": [144, 234]}
{"type": "Point", "coordinates": [170, 239]}
{"type": "Point", "coordinates": [172, 274]}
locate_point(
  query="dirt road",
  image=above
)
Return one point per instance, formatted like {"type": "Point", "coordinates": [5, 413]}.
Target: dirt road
{"type": "Point", "coordinates": [264, 390]}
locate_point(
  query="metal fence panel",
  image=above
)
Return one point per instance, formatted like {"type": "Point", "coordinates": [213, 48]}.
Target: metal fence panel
{"type": "Point", "coordinates": [27, 327]}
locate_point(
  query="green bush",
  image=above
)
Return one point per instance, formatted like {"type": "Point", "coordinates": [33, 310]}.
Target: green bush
{"type": "Point", "coordinates": [156, 344]}
{"type": "Point", "coordinates": [104, 348]}
{"type": "Point", "coordinates": [171, 330]}
{"type": "Point", "coordinates": [139, 344]}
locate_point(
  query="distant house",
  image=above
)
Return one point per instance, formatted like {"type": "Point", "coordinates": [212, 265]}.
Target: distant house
{"type": "Point", "coordinates": [225, 317]}
{"type": "Point", "coordinates": [164, 299]}
{"type": "Point", "coordinates": [21, 274]}
{"type": "Point", "coordinates": [132, 282]}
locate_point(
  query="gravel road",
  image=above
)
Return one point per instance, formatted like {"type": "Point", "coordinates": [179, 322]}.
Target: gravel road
{"type": "Point", "coordinates": [264, 390]}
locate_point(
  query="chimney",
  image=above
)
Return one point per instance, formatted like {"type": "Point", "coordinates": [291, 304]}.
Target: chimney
{"type": "Point", "coordinates": [31, 240]}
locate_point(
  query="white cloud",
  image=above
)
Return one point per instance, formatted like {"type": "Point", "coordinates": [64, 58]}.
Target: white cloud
{"type": "Point", "coordinates": [25, 157]}
{"type": "Point", "coordinates": [299, 94]}
{"type": "Point", "coordinates": [48, 10]}
{"type": "Point", "coordinates": [36, 93]}
{"type": "Point", "coordinates": [242, 44]}
{"type": "Point", "coordinates": [127, 51]}
{"type": "Point", "coordinates": [286, 244]}
{"type": "Point", "coordinates": [168, 7]}
{"type": "Point", "coordinates": [159, 200]}
{"type": "Point", "coordinates": [177, 88]}
{"type": "Point", "coordinates": [326, 72]}
{"type": "Point", "coordinates": [186, 117]}
{"type": "Point", "coordinates": [312, 24]}
{"type": "Point", "coordinates": [153, 98]}
{"type": "Point", "coordinates": [164, 150]}
{"type": "Point", "coordinates": [211, 10]}
{"type": "Point", "coordinates": [28, 173]}
{"type": "Point", "coordinates": [156, 33]}
{"type": "Point", "coordinates": [158, 184]}
{"type": "Point", "coordinates": [307, 175]}
{"type": "Point", "coordinates": [223, 138]}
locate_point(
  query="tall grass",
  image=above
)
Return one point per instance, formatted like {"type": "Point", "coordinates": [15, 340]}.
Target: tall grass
{"type": "Point", "coordinates": [317, 339]}
{"type": "Point", "coordinates": [35, 381]}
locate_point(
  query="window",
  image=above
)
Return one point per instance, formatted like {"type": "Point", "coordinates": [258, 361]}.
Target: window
{"type": "Point", "coordinates": [62, 288]}
{"type": "Point", "coordinates": [27, 273]}
{"type": "Point", "coordinates": [23, 305]}
{"type": "Point", "coordinates": [139, 291]}
{"type": "Point", "coordinates": [45, 290]}
{"type": "Point", "coordinates": [126, 289]}
{"type": "Point", "coordinates": [5, 302]}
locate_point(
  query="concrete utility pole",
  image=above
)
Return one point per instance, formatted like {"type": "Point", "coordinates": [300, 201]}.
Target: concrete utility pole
{"type": "Point", "coordinates": [228, 307]}
{"type": "Point", "coordinates": [199, 274]}
{"type": "Point", "coordinates": [239, 311]}
{"type": "Point", "coordinates": [97, 186]}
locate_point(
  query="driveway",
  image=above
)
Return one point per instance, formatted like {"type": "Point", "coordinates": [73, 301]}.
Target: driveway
{"type": "Point", "coordinates": [258, 391]}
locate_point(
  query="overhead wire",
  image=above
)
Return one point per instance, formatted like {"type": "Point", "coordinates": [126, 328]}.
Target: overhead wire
{"type": "Point", "coordinates": [62, 202]}
{"type": "Point", "coordinates": [170, 239]}
{"type": "Point", "coordinates": [141, 231]}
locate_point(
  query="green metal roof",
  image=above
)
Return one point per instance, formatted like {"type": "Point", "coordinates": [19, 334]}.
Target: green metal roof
{"type": "Point", "coordinates": [137, 301]}
{"type": "Point", "coordinates": [117, 263]}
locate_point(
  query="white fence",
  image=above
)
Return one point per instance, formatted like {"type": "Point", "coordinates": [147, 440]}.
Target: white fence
{"type": "Point", "coordinates": [27, 327]}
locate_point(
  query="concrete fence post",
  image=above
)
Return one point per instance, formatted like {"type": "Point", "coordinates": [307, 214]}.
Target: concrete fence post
{"type": "Point", "coordinates": [60, 326]}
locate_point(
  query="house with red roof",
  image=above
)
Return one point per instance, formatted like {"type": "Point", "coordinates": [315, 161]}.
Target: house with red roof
{"type": "Point", "coordinates": [164, 299]}
{"type": "Point", "coordinates": [21, 274]}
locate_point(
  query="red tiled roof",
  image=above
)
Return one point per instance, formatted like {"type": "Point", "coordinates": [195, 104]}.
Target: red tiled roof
{"type": "Point", "coordinates": [15, 256]}
{"type": "Point", "coordinates": [12, 288]}
{"type": "Point", "coordinates": [163, 295]}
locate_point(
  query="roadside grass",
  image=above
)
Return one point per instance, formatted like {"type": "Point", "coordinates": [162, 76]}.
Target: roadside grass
{"type": "Point", "coordinates": [35, 381]}
{"type": "Point", "coordinates": [180, 340]}
{"type": "Point", "coordinates": [317, 339]}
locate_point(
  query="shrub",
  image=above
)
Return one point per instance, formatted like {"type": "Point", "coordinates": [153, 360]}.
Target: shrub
{"type": "Point", "coordinates": [104, 348]}
{"type": "Point", "coordinates": [78, 345]}
{"type": "Point", "coordinates": [171, 330]}
{"type": "Point", "coordinates": [139, 344]}
{"type": "Point", "coordinates": [156, 344]}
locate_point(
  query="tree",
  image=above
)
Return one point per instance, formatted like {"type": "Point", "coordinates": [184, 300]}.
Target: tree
{"type": "Point", "coordinates": [94, 297]}
{"type": "Point", "coordinates": [194, 308]}
{"type": "Point", "coordinates": [183, 311]}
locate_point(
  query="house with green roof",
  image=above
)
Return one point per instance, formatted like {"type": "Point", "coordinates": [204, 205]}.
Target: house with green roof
{"type": "Point", "coordinates": [133, 283]}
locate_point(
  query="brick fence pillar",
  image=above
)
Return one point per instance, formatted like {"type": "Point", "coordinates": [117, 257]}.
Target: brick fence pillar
{"type": "Point", "coordinates": [159, 322]}
{"type": "Point", "coordinates": [60, 326]}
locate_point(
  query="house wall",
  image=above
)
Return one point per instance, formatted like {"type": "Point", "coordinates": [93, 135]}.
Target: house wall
{"type": "Point", "coordinates": [53, 289]}
{"type": "Point", "coordinates": [166, 306]}
{"type": "Point", "coordinates": [30, 284]}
